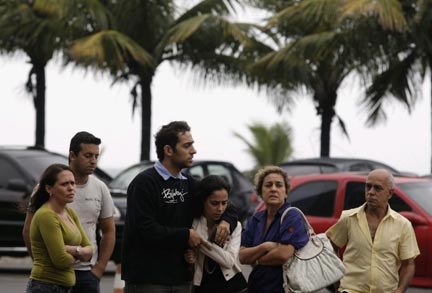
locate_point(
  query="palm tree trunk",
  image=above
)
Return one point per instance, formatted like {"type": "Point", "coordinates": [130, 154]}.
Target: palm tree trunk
{"type": "Point", "coordinates": [146, 104]}
{"type": "Point", "coordinates": [326, 121]}
{"type": "Point", "coordinates": [39, 70]}
{"type": "Point", "coordinates": [327, 113]}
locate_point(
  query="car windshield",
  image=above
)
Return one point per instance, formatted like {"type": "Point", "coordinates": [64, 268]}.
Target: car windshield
{"type": "Point", "coordinates": [420, 192]}
{"type": "Point", "coordinates": [122, 180]}
{"type": "Point", "coordinates": [35, 165]}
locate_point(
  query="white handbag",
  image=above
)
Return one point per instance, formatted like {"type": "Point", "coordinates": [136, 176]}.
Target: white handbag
{"type": "Point", "coordinates": [313, 267]}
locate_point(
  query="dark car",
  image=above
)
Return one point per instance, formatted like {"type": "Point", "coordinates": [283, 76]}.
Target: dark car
{"type": "Point", "coordinates": [242, 193]}
{"type": "Point", "coordinates": [333, 165]}
{"type": "Point", "coordinates": [323, 197]}
{"type": "Point", "coordinates": [20, 170]}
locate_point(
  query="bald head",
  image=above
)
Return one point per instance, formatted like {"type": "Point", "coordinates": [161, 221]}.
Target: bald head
{"type": "Point", "coordinates": [382, 174]}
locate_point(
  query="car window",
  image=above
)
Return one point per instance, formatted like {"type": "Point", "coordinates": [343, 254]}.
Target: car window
{"type": "Point", "coordinates": [315, 198]}
{"type": "Point", "coordinates": [8, 172]}
{"type": "Point", "coordinates": [377, 165]}
{"type": "Point", "coordinates": [196, 172]}
{"type": "Point", "coordinates": [122, 180]}
{"type": "Point", "coordinates": [36, 164]}
{"type": "Point", "coordinates": [220, 170]}
{"type": "Point", "coordinates": [243, 184]}
{"type": "Point", "coordinates": [420, 192]}
{"type": "Point", "coordinates": [355, 197]}
{"type": "Point", "coordinates": [295, 170]}
{"type": "Point", "coordinates": [360, 167]}
{"type": "Point", "coordinates": [399, 205]}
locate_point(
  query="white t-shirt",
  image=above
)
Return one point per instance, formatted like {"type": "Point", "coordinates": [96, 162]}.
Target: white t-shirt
{"type": "Point", "coordinates": [92, 202]}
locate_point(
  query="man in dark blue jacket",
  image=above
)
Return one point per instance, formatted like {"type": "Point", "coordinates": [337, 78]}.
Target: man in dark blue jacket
{"type": "Point", "coordinates": [159, 216]}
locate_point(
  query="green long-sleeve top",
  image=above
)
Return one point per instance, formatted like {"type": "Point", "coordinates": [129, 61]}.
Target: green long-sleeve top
{"type": "Point", "coordinates": [48, 236]}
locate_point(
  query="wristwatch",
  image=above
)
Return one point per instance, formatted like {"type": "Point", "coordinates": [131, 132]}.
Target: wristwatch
{"type": "Point", "coordinates": [77, 250]}
{"type": "Point", "coordinates": [257, 262]}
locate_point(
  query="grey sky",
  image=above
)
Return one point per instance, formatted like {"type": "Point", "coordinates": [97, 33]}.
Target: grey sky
{"type": "Point", "coordinates": [78, 101]}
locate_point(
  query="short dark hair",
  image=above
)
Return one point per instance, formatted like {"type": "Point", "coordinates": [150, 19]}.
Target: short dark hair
{"type": "Point", "coordinates": [169, 135]}
{"type": "Point", "coordinates": [48, 177]}
{"type": "Point", "coordinates": [206, 187]}
{"type": "Point", "coordinates": [82, 137]}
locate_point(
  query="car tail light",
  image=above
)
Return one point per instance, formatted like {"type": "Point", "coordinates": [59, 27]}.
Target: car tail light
{"type": "Point", "coordinates": [254, 198]}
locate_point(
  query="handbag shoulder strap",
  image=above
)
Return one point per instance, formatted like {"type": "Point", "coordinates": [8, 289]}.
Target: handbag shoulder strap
{"type": "Point", "coordinates": [306, 222]}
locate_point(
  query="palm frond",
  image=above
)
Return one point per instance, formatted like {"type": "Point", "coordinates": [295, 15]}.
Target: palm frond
{"type": "Point", "coordinates": [269, 145]}
{"type": "Point", "coordinates": [319, 45]}
{"type": "Point", "coordinates": [183, 30]}
{"type": "Point", "coordinates": [342, 126]}
{"type": "Point", "coordinates": [388, 12]}
{"type": "Point", "coordinates": [209, 23]}
{"type": "Point", "coordinates": [395, 82]}
{"type": "Point", "coordinates": [146, 22]}
{"type": "Point", "coordinates": [76, 13]}
{"type": "Point", "coordinates": [287, 69]}
{"type": "Point", "coordinates": [213, 7]}
{"type": "Point", "coordinates": [50, 8]}
{"type": "Point", "coordinates": [307, 16]}
{"type": "Point", "coordinates": [109, 49]}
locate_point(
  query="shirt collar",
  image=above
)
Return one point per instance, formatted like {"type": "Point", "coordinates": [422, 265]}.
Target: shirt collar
{"type": "Point", "coordinates": [361, 210]}
{"type": "Point", "coordinates": [163, 171]}
{"type": "Point", "coordinates": [262, 216]}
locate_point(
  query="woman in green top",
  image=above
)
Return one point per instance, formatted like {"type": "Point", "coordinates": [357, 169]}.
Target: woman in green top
{"type": "Point", "coordinates": [56, 235]}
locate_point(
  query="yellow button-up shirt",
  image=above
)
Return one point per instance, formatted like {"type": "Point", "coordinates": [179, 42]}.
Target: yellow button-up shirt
{"type": "Point", "coordinates": [373, 266]}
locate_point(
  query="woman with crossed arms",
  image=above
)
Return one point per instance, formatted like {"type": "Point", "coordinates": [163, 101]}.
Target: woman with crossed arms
{"type": "Point", "coordinates": [56, 235]}
{"type": "Point", "coordinates": [266, 242]}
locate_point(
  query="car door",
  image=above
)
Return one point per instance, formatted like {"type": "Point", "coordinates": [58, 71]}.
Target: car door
{"type": "Point", "coordinates": [13, 190]}
{"type": "Point", "coordinates": [422, 228]}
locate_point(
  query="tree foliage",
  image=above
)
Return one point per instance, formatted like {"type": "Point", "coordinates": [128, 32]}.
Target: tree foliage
{"type": "Point", "coordinates": [270, 145]}
{"type": "Point", "coordinates": [201, 38]}
{"type": "Point", "coordinates": [325, 41]}
{"type": "Point", "coordinates": [40, 28]}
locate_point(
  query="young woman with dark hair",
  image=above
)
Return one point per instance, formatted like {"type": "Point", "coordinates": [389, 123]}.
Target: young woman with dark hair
{"type": "Point", "coordinates": [56, 235]}
{"type": "Point", "coordinates": [217, 269]}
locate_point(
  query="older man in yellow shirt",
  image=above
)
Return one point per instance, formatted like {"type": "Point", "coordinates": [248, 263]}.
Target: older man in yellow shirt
{"type": "Point", "coordinates": [380, 243]}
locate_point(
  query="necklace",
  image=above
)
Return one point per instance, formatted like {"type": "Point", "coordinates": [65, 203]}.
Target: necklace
{"type": "Point", "coordinates": [206, 266]}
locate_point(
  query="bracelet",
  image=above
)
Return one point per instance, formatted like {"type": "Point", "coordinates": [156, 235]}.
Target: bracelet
{"type": "Point", "coordinates": [257, 262]}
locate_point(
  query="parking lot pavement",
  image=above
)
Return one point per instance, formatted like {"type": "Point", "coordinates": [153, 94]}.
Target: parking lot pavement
{"type": "Point", "coordinates": [15, 263]}
{"type": "Point", "coordinates": [25, 264]}
{"type": "Point", "coordinates": [14, 272]}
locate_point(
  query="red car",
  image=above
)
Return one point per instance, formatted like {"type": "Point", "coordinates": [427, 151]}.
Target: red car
{"type": "Point", "coordinates": [323, 197]}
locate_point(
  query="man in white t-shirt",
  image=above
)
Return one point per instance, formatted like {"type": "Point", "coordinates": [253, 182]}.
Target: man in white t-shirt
{"type": "Point", "coordinates": [94, 206]}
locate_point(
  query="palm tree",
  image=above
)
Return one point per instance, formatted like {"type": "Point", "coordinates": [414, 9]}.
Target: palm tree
{"type": "Point", "coordinates": [396, 43]}
{"type": "Point", "coordinates": [321, 49]}
{"type": "Point", "coordinates": [269, 145]}
{"type": "Point", "coordinates": [40, 28]}
{"type": "Point", "coordinates": [200, 38]}
{"type": "Point", "coordinates": [407, 47]}
{"type": "Point", "coordinates": [292, 67]}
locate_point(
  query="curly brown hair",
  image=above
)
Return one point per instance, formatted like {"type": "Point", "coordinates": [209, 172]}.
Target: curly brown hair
{"type": "Point", "coordinates": [262, 173]}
